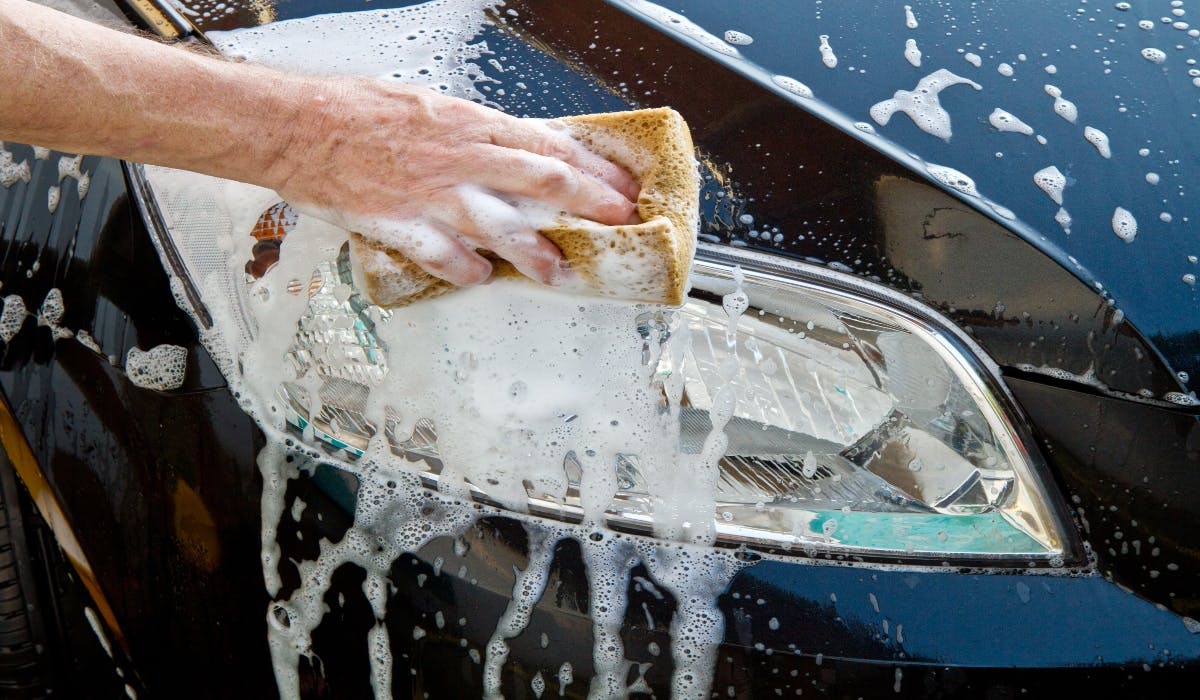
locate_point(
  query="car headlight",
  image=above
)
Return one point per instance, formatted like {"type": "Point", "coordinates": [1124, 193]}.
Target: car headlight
{"type": "Point", "coordinates": [858, 422]}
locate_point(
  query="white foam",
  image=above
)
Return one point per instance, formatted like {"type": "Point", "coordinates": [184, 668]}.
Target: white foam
{"type": "Point", "coordinates": [973, 59]}
{"type": "Point", "coordinates": [1098, 139]}
{"type": "Point", "coordinates": [1154, 55]}
{"type": "Point", "coordinates": [682, 25]}
{"type": "Point", "coordinates": [527, 590]}
{"type": "Point", "coordinates": [12, 317]}
{"type": "Point", "coordinates": [52, 196]}
{"type": "Point", "coordinates": [828, 57]}
{"type": "Point", "coordinates": [11, 171]}
{"type": "Point", "coordinates": [1063, 218]}
{"type": "Point", "coordinates": [52, 309]}
{"type": "Point", "coordinates": [1005, 121]}
{"type": "Point", "coordinates": [1152, 178]}
{"type": "Point", "coordinates": [912, 54]}
{"type": "Point", "coordinates": [1005, 69]}
{"type": "Point", "coordinates": [1062, 107]}
{"type": "Point", "coordinates": [86, 340]}
{"type": "Point", "coordinates": [922, 105]}
{"type": "Point", "coordinates": [1051, 181]}
{"type": "Point", "coordinates": [510, 374]}
{"type": "Point", "coordinates": [69, 167]}
{"type": "Point", "coordinates": [953, 179]}
{"type": "Point", "coordinates": [910, 20]}
{"type": "Point", "coordinates": [738, 38]}
{"type": "Point", "coordinates": [1124, 225]}
{"type": "Point", "coordinates": [566, 676]}
{"type": "Point", "coordinates": [792, 85]}
{"type": "Point", "coordinates": [41, 153]}
{"type": "Point", "coordinates": [160, 368]}
{"type": "Point", "coordinates": [428, 44]}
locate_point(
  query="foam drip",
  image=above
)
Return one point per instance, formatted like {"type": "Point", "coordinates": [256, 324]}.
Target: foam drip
{"type": "Point", "coordinates": [527, 590]}
{"type": "Point", "coordinates": [511, 377]}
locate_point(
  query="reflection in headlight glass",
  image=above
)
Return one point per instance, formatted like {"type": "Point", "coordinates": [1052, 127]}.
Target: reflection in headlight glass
{"type": "Point", "coordinates": [857, 427]}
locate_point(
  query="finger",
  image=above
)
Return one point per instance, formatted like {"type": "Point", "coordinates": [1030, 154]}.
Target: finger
{"type": "Point", "coordinates": [538, 137]}
{"type": "Point", "coordinates": [438, 252]}
{"type": "Point", "coordinates": [497, 226]}
{"type": "Point", "coordinates": [549, 180]}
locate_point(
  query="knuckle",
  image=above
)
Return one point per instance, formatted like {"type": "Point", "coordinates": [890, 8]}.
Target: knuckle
{"type": "Point", "coordinates": [556, 179]}
{"type": "Point", "coordinates": [557, 147]}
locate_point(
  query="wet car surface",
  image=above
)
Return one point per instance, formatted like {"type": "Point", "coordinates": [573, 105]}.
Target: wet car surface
{"type": "Point", "coordinates": [126, 463]}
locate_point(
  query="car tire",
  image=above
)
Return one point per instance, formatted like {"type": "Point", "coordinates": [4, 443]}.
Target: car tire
{"type": "Point", "coordinates": [46, 647]}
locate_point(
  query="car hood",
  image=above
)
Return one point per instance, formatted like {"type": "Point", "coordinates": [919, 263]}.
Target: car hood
{"type": "Point", "coordinates": [1129, 144]}
{"type": "Point", "coordinates": [1073, 126]}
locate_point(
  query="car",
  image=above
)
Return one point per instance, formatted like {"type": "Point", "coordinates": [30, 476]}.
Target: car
{"type": "Point", "coordinates": [943, 306]}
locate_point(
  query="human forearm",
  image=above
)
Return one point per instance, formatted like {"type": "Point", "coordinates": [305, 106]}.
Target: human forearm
{"type": "Point", "coordinates": [432, 176]}
{"type": "Point", "coordinates": [79, 87]}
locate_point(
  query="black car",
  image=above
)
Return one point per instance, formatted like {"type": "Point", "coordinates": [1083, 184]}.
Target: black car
{"type": "Point", "coordinates": [943, 307]}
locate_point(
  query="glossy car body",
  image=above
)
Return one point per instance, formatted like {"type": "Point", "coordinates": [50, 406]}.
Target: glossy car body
{"type": "Point", "coordinates": [156, 495]}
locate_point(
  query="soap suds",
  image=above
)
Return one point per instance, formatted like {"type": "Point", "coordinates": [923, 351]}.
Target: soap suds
{"type": "Point", "coordinates": [11, 171]}
{"type": "Point", "coordinates": [69, 167]}
{"type": "Point", "coordinates": [738, 38]}
{"type": "Point", "coordinates": [827, 55]}
{"type": "Point", "coordinates": [12, 317]}
{"type": "Point", "coordinates": [1098, 139]}
{"type": "Point", "coordinates": [1005, 121]}
{"type": "Point", "coordinates": [678, 23]}
{"type": "Point", "coordinates": [515, 406]}
{"type": "Point", "coordinates": [953, 179]}
{"type": "Point", "coordinates": [921, 104]}
{"type": "Point", "coordinates": [1051, 181]}
{"type": "Point", "coordinates": [1154, 55]}
{"type": "Point", "coordinates": [1062, 107]}
{"type": "Point", "coordinates": [1124, 225]}
{"type": "Point", "coordinates": [792, 85]}
{"type": "Point", "coordinates": [160, 368]}
{"type": "Point", "coordinates": [910, 20]}
{"type": "Point", "coordinates": [1063, 218]}
{"type": "Point", "coordinates": [912, 54]}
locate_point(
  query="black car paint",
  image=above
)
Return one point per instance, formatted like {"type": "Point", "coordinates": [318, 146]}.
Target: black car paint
{"type": "Point", "coordinates": [162, 489]}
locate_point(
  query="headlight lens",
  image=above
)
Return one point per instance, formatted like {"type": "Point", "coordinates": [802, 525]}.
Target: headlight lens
{"type": "Point", "coordinates": [861, 423]}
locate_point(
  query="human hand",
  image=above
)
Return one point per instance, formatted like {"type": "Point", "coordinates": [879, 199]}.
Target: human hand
{"type": "Point", "coordinates": [426, 174]}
